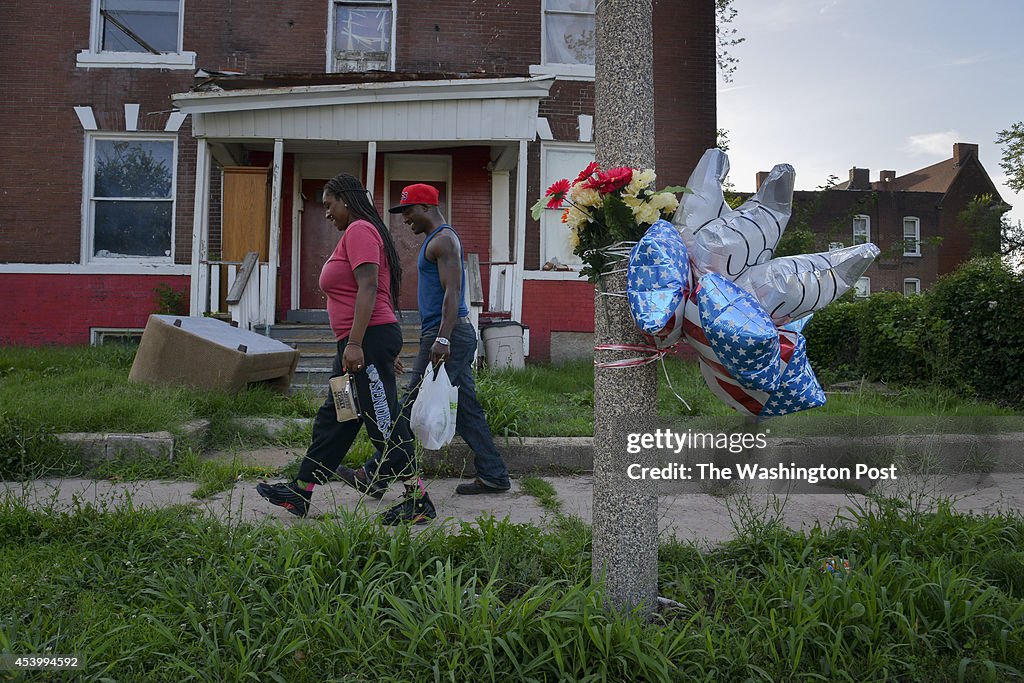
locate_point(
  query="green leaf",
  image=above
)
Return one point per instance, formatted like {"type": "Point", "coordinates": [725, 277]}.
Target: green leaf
{"type": "Point", "coordinates": [676, 189]}
{"type": "Point", "coordinates": [538, 209]}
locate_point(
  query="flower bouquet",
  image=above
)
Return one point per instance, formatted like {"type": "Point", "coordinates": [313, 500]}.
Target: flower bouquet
{"type": "Point", "coordinates": [603, 208]}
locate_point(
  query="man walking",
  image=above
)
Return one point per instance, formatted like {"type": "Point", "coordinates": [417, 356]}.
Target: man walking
{"type": "Point", "coordinates": [447, 336]}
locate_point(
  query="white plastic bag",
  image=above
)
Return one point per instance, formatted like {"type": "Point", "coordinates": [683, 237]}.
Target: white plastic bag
{"type": "Point", "coordinates": [434, 411]}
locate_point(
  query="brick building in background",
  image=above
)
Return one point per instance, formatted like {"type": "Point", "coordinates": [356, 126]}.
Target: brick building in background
{"type": "Point", "coordinates": [913, 219]}
{"type": "Point", "coordinates": [116, 108]}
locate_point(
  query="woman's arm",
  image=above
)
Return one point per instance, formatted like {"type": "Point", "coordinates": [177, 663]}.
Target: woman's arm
{"type": "Point", "coordinates": [366, 297]}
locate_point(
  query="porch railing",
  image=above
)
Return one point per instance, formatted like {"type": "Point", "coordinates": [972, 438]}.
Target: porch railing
{"type": "Point", "coordinates": [249, 299]}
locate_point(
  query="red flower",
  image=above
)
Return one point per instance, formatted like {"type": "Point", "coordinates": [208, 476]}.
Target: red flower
{"type": "Point", "coordinates": [557, 192]}
{"type": "Point", "coordinates": [587, 172]}
{"type": "Point", "coordinates": [610, 180]}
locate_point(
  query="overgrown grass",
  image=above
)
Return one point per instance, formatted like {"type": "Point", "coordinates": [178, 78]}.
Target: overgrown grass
{"type": "Point", "coordinates": [167, 595]}
{"type": "Point", "coordinates": [543, 491]}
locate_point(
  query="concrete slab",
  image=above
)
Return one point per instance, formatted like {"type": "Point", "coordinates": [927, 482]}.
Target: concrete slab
{"type": "Point", "coordinates": [684, 514]}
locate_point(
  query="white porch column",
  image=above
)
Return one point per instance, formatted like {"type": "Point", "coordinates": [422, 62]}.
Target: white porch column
{"type": "Point", "coordinates": [371, 166]}
{"type": "Point", "coordinates": [517, 272]}
{"type": "Point", "coordinates": [199, 285]}
{"type": "Point", "coordinates": [500, 295]}
{"type": "Point", "coordinates": [270, 296]}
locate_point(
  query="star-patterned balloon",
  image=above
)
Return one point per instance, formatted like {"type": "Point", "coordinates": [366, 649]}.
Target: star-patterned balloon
{"type": "Point", "coordinates": [712, 279]}
{"type": "Point", "coordinates": [657, 282]}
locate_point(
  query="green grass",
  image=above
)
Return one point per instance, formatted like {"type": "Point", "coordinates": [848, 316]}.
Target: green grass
{"type": "Point", "coordinates": [543, 491]}
{"type": "Point", "coordinates": [168, 595]}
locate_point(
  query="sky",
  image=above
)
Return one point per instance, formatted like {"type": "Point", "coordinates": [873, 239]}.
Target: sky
{"type": "Point", "coordinates": [826, 85]}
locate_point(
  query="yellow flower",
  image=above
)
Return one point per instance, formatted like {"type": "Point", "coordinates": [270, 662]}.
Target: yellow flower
{"type": "Point", "coordinates": [585, 196]}
{"type": "Point", "coordinates": [664, 202]}
{"type": "Point", "coordinates": [574, 239]}
{"type": "Point", "coordinates": [646, 214]}
{"type": "Point", "coordinates": [576, 218]}
{"type": "Point", "coordinates": [641, 180]}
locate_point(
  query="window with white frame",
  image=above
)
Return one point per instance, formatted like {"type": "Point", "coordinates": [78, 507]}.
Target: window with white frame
{"type": "Point", "coordinates": [861, 229]}
{"type": "Point", "coordinates": [568, 37]}
{"type": "Point", "coordinates": [862, 288]}
{"type": "Point", "coordinates": [911, 285]}
{"type": "Point", "coordinates": [560, 160]}
{"type": "Point", "coordinates": [130, 190]}
{"type": "Point", "coordinates": [911, 236]}
{"type": "Point", "coordinates": [362, 35]}
{"type": "Point", "coordinates": [141, 33]}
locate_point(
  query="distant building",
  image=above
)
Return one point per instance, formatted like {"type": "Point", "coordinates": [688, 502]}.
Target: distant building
{"type": "Point", "coordinates": [153, 144]}
{"type": "Point", "coordinates": [903, 215]}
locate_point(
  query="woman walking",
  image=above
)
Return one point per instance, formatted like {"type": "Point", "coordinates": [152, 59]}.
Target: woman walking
{"type": "Point", "coordinates": [361, 280]}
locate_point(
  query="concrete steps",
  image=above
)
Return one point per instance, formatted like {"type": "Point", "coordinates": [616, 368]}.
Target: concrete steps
{"type": "Point", "coordinates": [311, 334]}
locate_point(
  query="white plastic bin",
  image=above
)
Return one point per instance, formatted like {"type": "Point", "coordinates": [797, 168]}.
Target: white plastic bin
{"type": "Point", "coordinates": [503, 345]}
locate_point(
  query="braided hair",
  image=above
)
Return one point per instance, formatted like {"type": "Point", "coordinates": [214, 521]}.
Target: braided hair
{"type": "Point", "coordinates": [348, 188]}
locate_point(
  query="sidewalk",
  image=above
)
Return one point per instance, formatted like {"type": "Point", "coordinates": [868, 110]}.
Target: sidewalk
{"type": "Point", "coordinates": [684, 510]}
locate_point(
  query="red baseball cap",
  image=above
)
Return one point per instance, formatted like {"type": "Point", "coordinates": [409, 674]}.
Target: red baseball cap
{"type": "Point", "coordinates": [416, 194]}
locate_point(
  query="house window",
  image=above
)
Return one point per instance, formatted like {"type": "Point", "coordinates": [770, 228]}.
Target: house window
{"type": "Point", "coordinates": [139, 33]}
{"type": "Point", "coordinates": [363, 35]}
{"type": "Point", "coordinates": [568, 38]}
{"type": "Point", "coordinates": [862, 288]}
{"type": "Point", "coordinates": [911, 285]}
{"type": "Point", "coordinates": [911, 236]}
{"type": "Point", "coordinates": [130, 193]}
{"type": "Point", "coordinates": [560, 160]}
{"type": "Point", "coordinates": [103, 336]}
{"type": "Point", "coordinates": [861, 229]}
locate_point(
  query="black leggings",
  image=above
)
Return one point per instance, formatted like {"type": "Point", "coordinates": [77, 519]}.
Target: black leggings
{"type": "Point", "coordinates": [378, 406]}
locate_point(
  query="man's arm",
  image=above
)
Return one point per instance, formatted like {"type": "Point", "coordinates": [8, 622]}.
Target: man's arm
{"type": "Point", "coordinates": [444, 250]}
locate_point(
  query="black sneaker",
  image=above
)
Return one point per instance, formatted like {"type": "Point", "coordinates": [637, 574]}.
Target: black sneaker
{"type": "Point", "coordinates": [352, 478]}
{"type": "Point", "coordinates": [415, 508]}
{"type": "Point", "coordinates": [476, 487]}
{"type": "Point", "coordinates": [286, 495]}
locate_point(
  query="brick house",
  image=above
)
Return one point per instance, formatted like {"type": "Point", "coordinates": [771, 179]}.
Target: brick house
{"type": "Point", "coordinates": [903, 215]}
{"type": "Point", "coordinates": [164, 140]}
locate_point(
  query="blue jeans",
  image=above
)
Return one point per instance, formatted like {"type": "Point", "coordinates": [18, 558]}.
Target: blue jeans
{"type": "Point", "coordinates": [471, 423]}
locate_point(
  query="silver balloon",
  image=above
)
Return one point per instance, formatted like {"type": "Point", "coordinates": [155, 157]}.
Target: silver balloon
{"type": "Point", "coordinates": [705, 202]}
{"type": "Point", "coordinates": [791, 287]}
{"type": "Point", "coordinates": [745, 237]}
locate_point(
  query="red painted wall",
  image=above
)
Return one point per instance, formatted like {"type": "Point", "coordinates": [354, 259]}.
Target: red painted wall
{"type": "Point", "coordinates": [555, 306]}
{"type": "Point", "coordinates": [38, 310]}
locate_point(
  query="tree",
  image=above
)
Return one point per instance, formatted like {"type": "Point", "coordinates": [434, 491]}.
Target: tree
{"type": "Point", "coordinates": [725, 39]}
{"type": "Point", "coordinates": [1013, 155]}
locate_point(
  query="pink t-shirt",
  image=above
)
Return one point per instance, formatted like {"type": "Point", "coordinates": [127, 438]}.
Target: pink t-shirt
{"type": "Point", "coordinates": [359, 244]}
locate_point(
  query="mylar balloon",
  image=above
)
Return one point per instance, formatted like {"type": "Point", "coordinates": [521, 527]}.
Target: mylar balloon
{"type": "Point", "coordinates": [791, 287]}
{"type": "Point", "coordinates": [657, 283]}
{"type": "Point", "coordinates": [744, 237]}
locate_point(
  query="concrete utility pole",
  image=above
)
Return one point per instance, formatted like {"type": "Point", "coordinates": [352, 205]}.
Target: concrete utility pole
{"type": "Point", "coordinates": [625, 511]}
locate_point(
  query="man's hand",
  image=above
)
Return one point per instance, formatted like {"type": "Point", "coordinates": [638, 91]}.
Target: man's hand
{"type": "Point", "coordinates": [439, 354]}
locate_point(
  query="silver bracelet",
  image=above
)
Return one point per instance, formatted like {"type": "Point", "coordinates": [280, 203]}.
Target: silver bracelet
{"type": "Point", "coordinates": [442, 341]}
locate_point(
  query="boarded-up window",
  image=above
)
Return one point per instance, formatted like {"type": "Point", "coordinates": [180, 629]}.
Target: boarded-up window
{"type": "Point", "coordinates": [362, 35]}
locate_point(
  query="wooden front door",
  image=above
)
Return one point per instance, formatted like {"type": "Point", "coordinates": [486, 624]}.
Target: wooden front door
{"type": "Point", "coordinates": [406, 243]}
{"type": "Point", "coordinates": [319, 237]}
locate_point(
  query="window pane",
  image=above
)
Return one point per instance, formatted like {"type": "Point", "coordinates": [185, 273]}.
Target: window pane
{"type": "Point", "coordinates": [154, 22]}
{"type": "Point", "coordinates": [571, 5]}
{"type": "Point", "coordinates": [133, 168]}
{"type": "Point", "coordinates": [911, 287]}
{"type": "Point", "coordinates": [910, 236]}
{"type": "Point", "coordinates": [862, 287]}
{"type": "Point", "coordinates": [132, 229]}
{"type": "Point", "coordinates": [362, 29]}
{"type": "Point", "coordinates": [569, 39]}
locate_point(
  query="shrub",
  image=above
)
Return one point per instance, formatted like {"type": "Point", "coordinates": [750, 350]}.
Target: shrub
{"type": "Point", "coordinates": [983, 304]}
{"type": "Point", "coordinates": [833, 341]}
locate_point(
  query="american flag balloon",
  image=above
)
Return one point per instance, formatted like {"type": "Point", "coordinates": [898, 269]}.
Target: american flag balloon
{"type": "Point", "coordinates": [657, 283]}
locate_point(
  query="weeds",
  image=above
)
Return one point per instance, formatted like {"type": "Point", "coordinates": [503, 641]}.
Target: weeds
{"type": "Point", "coordinates": [168, 595]}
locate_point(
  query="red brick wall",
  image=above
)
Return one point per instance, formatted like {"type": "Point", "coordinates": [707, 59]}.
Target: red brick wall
{"type": "Point", "coordinates": [493, 36]}
{"type": "Point", "coordinates": [830, 216]}
{"type": "Point", "coordinates": [555, 306]}
{"type": "Point", "coordinates": [971, 182]}
{"type": "Point", "coordinates": [52, 309]}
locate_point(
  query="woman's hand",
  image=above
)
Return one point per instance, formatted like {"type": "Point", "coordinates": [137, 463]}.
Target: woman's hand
{"type": "Point", "coordinates": [352, 359]}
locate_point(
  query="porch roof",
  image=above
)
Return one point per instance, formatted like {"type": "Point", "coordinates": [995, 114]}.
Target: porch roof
{"type": "Point", "coordinates": [461, 107]}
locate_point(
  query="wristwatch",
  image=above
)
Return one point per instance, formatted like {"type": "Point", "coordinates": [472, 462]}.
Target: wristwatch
{"type": "Point", "coordinates": [442, 341]}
